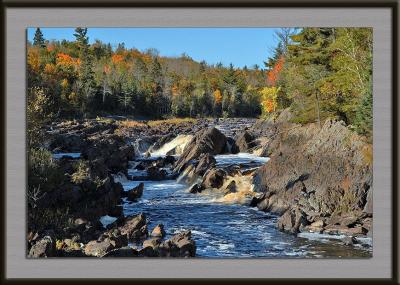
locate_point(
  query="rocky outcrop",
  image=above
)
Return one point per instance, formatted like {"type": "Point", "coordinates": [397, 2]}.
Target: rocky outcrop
{"type": "Point", "coordinates": [245, 141]}
{"type": "Point", "coordinates": [209, 141]}
{"type": "Point", "coordinates": [316, 174]}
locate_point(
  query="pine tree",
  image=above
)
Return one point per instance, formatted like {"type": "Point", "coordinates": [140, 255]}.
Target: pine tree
{"type": "Point", "coordinates": [86, 74]}
{"type": "Point", "coordinates": [38, 40]}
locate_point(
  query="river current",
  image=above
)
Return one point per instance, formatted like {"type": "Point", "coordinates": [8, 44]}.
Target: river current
{"type": "Point", "coordinates": [223, 229]}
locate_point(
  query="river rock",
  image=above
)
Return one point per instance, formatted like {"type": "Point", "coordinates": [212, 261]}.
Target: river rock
{"type": "Point", "coordinates": [44, 247]}
{"type": "Point", "coordinates": [158, 231]}
{"type": "Point", "coordinates": [135, 192]}
{"type": "Point", "coordinates": [196, 188]}
{"type": "Point", "coordinates": [230, 188]}
{"type": "Point", "coordinates": [245, 141]}
{"type": "Point", "coordinates": [206, 161]}
{"type": "Point", "coordinates": [185, 244]}
{"type": "Point", "coordinates": [99, 248]}
{"type": "Point", "coordinates": [135, 228]}
{"type": "Point", "coordinates": [214, 178]}
{"type": "Point", "coordinates": [155, 173]}
{"type": "Point", "coordinates": [210, 141]}
{"type": "Point", "coordinates": [153, 242]}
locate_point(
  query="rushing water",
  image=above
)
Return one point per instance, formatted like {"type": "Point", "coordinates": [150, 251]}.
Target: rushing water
{"type": "Point", "coordinates": [228, 230]}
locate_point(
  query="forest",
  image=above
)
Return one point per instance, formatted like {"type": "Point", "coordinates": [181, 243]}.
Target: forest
{"type": "Point", "coordinates": [316, 72]}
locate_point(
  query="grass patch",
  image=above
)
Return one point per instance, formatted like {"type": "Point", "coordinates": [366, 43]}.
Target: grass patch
{"type": "Point", "coordinates": [172, 121]}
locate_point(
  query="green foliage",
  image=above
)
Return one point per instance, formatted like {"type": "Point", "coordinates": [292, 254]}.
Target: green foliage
{"type": "Point", "coordinates": [326, 74]}
{"type": "Point", "coordinates": [364, 118]}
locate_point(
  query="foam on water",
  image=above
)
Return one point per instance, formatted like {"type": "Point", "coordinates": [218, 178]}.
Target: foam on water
{"type": "Point", "coordinates": [177, 145]}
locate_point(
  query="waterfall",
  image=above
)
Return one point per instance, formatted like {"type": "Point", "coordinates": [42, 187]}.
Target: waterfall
{"type": "Point", "coordinates": [174, 147]}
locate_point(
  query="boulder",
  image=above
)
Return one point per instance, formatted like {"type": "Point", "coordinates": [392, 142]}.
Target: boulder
{"type": "Point", "coordinates": [196, 188]}
{"type": "Point", "coordinates": [155, 173]}
{"type": "Point", "coordinates": [210, 141]}
{"type": "Point", "coordinates": [153, 242]}
{"type": "Point", "coordinates": [44, 247]}
{"type": "Point", "coordinates": [185, 244]}
{"type": "Point", "coordinates": [99, 248]}
{"type": "Point", "coordinates": [158, 231]}
{"type": "Point", "coordinates": [135, 193]}
{"type": "Point", "coordinates": [214, 178]}
{"type": "Point", "coordinates": [135, 228]}
{"type": "Point", "coordinates": [245, 141]}
{"type": "Point", "coordinates": [230, 188]}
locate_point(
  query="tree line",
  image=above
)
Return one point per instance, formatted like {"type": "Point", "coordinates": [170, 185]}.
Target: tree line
{"type": "Point", "coordinates": [315, 72]}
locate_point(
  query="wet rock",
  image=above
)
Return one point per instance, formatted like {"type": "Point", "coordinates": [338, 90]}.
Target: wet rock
{"type": "Point", "coordinates": [206, 161]}
{"type": "Point", "coordinates": [135, 193]}
{"type": "Point", "coordinates": [44, 247]}
{"type": "Point", "coordinates": [210, 141]}
{"type": "Point", "coordinates": [214, 178]}
{"type": "Point", "coordinates": [155, 173]}
{"type": "Point", "coordinates": [230, 188]}
{"type": "Point", "coordinates": [196, 188]}
{"type": "Point", "coordinates": [158, 231]}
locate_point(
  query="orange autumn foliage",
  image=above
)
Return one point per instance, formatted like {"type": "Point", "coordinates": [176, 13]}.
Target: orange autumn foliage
{"type": "Point", "coordinates": [268, 105]}
{"type": "Point", "coordinates": [273, 74]}
{"type": "Point", "coordinates": [217, 96]}
{"type": "Point", "coordinates": [66, 60]}
{"type": "Point", "coordinates": [49, 68]}
{"type": "Point", "coordinates": [117, 58]}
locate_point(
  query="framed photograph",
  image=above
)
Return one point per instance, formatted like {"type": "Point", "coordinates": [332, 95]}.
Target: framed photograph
{"type": "Point", "coordinates": [202, 141]}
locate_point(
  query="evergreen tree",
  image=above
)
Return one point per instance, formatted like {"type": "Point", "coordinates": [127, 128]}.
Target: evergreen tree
{"type": "Point", "coordinates": [38, 39]}
{"type": "Point", "coordinates": [86, 75]}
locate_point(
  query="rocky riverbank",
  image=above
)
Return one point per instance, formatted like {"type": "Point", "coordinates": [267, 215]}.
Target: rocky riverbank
{"type": "Point", "coordinates": [317, 179]}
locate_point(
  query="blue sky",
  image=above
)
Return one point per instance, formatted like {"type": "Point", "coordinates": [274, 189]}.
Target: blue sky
{"type": "Point", "coordinates": [240, 46]}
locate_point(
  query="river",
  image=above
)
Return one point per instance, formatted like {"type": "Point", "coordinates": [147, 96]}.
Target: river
{"type": "Point", "coordinates": [223, 229]}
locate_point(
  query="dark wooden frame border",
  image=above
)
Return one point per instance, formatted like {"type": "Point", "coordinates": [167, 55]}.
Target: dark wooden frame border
{"type": "Point", "coordinates": [392, 4]}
